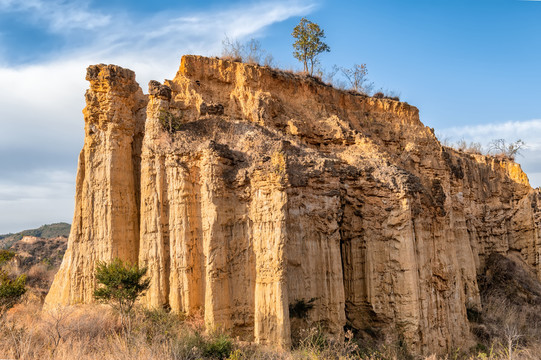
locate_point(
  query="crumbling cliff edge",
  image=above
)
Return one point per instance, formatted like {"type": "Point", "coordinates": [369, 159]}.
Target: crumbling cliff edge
{"type": "Point", "coordinates": [246, 190]}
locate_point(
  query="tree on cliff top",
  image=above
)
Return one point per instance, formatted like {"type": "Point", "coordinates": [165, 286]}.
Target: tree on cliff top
{"type": "Point", "coordinates": [121, 285]}
{"type": "Point", "coordinates": [308, 44]}
{"type": "Point", "coordinates": [357, 76]}
{"type": "Point", "coordinates": [500, 147]}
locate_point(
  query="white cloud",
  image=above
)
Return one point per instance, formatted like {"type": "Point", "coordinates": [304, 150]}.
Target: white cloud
{"type": "Point", "coordinates": [37, 184]}
{"type": "Point", "coordinates": [529, 131]}
{"type": "Point", "coordinates": [38, 197]}
{"type": "Point", "coordinates": [58, 15]}
{"type": "Point", "coordinates": [40, 104]}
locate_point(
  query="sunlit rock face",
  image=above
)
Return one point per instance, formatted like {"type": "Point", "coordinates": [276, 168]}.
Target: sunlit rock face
{"type": "Point", "coordinates": [246, 190]}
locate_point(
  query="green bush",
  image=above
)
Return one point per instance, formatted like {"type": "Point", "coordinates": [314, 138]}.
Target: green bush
{"type": "Point", "coordinates": [159, 324]}
{"type": "Point", "coordinates": [5, 256]}
{"type": "Point", "coordinates": [194, 345]}
{"type": "Point", "coordinates": [170, 122]}
{"type": "Point", "coordinates": [11, 291]}
{"type": "Point", "coordinates": [120, 286]}
{"type": "Point", "coordinates": [219, 346]}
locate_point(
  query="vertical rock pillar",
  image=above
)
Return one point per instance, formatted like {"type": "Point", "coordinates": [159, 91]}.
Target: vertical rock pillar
{"type": "Point", "coordinates": [269, 232]}
{"type": "Point", "coordinates": [106, 220]}
{"type": "Point", "coordinates": [154, 236]}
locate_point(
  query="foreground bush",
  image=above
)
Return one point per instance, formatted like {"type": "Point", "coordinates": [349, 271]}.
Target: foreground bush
{"type": "Point", "coordinates": [12, 288]}
{"type": "Point", "coordinates": [120, 284]}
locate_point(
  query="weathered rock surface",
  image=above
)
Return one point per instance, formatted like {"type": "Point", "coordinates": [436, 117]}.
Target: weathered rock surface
{"type": "Point", "coordinates": [245, 190]}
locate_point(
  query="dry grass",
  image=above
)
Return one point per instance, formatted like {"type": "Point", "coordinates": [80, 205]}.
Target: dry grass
{"type": "Point", "coordinates": [93, 332]}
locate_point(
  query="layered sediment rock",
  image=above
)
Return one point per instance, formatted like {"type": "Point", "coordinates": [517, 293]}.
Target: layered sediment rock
{"type": "Point", "coordinates": [247, 190]}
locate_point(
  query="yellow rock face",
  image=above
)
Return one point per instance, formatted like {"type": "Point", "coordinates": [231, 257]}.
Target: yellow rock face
{"type": "Point", "coordinates": [246, 191]}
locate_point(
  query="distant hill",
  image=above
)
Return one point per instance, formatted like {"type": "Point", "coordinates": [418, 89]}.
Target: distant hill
{"type": "Point", "coordinates": [45, 231]}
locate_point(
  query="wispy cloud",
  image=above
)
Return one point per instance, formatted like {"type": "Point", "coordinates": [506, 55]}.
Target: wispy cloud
{"type": "Point", "coordinates": [165, 36]}
{"type": "Point", "coordinates": [58, 15]}
{"type": "Point", "coordinates": [40, 104]}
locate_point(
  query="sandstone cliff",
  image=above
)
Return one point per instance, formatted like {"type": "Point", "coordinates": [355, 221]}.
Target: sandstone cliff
{"type": "Point", "coordinates": [246, 190]}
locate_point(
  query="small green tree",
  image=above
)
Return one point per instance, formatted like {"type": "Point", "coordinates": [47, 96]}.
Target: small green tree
{"type": "Point", "coordinates": [308, 44]}
{"type": "Point", "coordinates": [120, 284]}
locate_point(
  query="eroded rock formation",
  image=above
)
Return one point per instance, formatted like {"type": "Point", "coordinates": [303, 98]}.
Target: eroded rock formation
{"type": "Point", "coordinates": [246, 190]}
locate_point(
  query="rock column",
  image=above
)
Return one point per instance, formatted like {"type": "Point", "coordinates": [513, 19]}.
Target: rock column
{"type": "Point", "coordinates": [106, 220]}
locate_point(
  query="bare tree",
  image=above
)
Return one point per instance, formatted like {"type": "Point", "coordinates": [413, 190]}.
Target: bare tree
{"type": "Point", "coordinates": [512, 336]}
{"type": "Point", "coordinates": [232, 49]}
{"type": "Point", "coordinates": [253, 52]}
{"type": "Point", "coordinates": [509, 150]}
{"type": "Point", "coordinates": [357, 78]}
{"type": "Point", "coordinates": [444, 139]}
{"type": "Point", "coordinates": [56, 324]}
{"type": "Point", "coordinates": [471, 147]}
{"type": "Point", "coordinates": [250, 52]}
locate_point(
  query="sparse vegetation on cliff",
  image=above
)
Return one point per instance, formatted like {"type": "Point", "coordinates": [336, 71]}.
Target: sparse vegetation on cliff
{"type": "Point", "coordinates": [249, 52]}
{"type": "Point", "coordinates": [169, 122]}
{"type": "Point", "coordinates": [307, 48]}
{"type": "Point", "coordinates": [357, 77]}
{"type": "Point", "coordinates": [500, 147]}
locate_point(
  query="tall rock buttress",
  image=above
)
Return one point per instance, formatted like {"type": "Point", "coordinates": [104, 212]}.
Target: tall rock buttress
{"type": "Point", "coordinates": [247, 191]}
{"type": "Point", "coordinates": [106, 220]}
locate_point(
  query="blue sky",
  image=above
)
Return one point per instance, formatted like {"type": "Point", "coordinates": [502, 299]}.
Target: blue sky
{"type": "Point", "coordinates": [472, 67]}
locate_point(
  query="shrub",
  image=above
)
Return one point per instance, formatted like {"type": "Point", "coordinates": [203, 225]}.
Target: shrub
{"type": "Point", "coordinates": [299, 308]}
{"type": "Point", "coordinates": [470, 148]}
{"type": "Point", "coordinates": [121, 285]}
{"type": "Point", "coordinates": [219, 346]}
{"type": "Point", "coordinates": [11, 291]}
{"type": "Point", "coordinates": [169, 122]}
{"type": "Point", "coordinates": [159, 323]}
{"type": "Point", "coordinates": [5, 256]}
{"type": "Point", "coordinates": [313, 339]}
